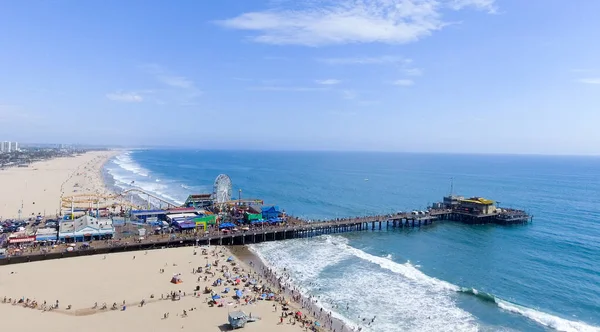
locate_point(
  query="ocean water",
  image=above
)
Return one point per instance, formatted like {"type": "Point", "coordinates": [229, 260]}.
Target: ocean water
{"type": "Point", "coordinates": [446, 277]}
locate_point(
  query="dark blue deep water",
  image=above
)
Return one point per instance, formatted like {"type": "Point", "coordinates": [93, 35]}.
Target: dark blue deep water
{"type": "Point", "coordinates": [444, 277]}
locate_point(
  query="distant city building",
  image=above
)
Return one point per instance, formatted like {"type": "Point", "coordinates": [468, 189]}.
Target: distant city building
{"type": "Point", "coordinates": [7, 146]}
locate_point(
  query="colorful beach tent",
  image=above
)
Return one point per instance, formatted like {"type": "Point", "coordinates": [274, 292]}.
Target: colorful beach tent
{"type": "Point", "coordinates": [176, 279]}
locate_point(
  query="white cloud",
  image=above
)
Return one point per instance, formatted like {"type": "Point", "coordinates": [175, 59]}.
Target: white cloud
{"type": "Point", "coordinates": [403, 82]}
{"type": "Point", "coordinates": [177, 81]}
{"type": "Point", "coordinates": [486, 5]}
{"type": "Point", "coordinates": [404, 64]}
{"type": "Point", "coordinates": [349, 94]}
{"type": "Point", "coordinates": [329, 22]}
{"type": "Point", "coordinates": [590, 80]}
{"type": "Point", "coordinates": [285, 88]}
{"type": "Point", "coordinates": [180, 89]}
{"type": "Point", "coordinates": [384, 59]}
{"type": "Point", "coordinates": [413, 72]}
{"type": "Point", "coordinates": [127, 97]}
{"type": "Point", "coordinates": [328, 82]}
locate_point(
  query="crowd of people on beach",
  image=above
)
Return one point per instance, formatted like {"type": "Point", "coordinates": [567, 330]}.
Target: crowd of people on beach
{"type": "Point", "coordinates": [223, 274]}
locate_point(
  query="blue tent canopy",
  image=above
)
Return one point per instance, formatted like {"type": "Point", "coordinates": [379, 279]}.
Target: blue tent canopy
{"type": "Point", "coordinates": [216, 297]}
{"type": "Point", "coordinates": [186, 224]}
{"type": "Point", "coordinates": [226, 225]}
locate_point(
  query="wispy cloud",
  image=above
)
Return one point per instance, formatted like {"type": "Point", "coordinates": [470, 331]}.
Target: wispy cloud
{"type": "Point", "coordinates": [177, 82]}
{"type": "Point", "coordinates": [349, 94]}
{"type": "Point", "coordinates": [328, 82]}
{"type": "Point", "coordinates": [328, 22]}
{"type": "Point", "coordinates": [403, 64]}
{"type": "Point", "coordinates": [413, 71]}
{"type": "Point", "coordinates": [182, 89]}
{"type": "Point", "coordinates": [595, 80]}
{"type": "Point", "coordinates": [379, 60]}
{"type": "Point", "coordinates": [275, 57]}
{"type": "Point", "coordinates": [485, 5]}
{"type": "Point", "coordinates": [286, 88]}
{"type": "Point", "coordinates": [126, 97]}
{"type": "Point", "coordinates": [403, 82]}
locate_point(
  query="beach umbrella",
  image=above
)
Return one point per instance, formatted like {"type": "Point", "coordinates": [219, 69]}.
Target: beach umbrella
{"type": "Point", "coordinates": [253, 282]}
{"type": "Point", "coordinates": [271, 295]}
{"type": "Point", "coordinates": [317, 324]}
{"type": "Point", "coordinates": [238, 293]}
{"type": "Point", "coordinates": [226, 290]}
{"type": "Point", "coordinates": [298, 313]}
{"type": "Point", "coordinates": [230, 258]}
{"type": "Point", "coordinates": [216, 297]}
{"type": "Point", "coordinates": [263, 296]}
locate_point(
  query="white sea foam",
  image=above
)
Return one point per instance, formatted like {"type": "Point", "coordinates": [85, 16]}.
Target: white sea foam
{"type": "Point", "coordinates": [548, 320]}
{"type": "Point", "coordinates": [126, 162]}
{"type": "Point", "coordinates": [405, 300]}
{"type": "Point", "coordinates": [128, 174]}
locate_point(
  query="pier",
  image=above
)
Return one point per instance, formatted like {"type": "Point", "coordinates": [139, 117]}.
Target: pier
{"type": "Point", "coordinates": [216, 219]}
{"type": "Point", "coordinates": [299, 229]}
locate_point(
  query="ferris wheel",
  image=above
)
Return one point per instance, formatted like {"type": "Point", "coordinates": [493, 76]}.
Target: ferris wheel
{"type": "Point", "coordinates": [222, 190]}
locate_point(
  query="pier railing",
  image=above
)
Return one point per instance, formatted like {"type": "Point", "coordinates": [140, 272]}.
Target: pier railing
{"type": "Point", "coordinates": [292, 229]}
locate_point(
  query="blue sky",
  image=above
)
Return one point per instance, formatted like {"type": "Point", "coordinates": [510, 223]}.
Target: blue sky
{"type": "Point", "coordinates": [503, 76]}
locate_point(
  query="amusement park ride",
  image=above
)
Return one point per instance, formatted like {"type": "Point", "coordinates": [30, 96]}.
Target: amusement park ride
{"type": "Point", "coordinates": [220, 199]}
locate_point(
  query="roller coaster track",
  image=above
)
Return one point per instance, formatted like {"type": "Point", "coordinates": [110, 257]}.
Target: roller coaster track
{"type": "Point", "coordinates": [93, 198]}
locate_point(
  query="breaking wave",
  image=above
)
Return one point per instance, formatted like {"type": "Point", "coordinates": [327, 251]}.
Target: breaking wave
{"type": "Point", "coordinates": [408, 286]}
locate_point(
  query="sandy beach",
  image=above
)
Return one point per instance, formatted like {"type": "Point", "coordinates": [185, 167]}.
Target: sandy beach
{"type": "Point", "coordinates": [83, 285]}
{"type": "Point", "coordinates": [37, 189]}
{"type": "Point", "coordinates": [130, 278]}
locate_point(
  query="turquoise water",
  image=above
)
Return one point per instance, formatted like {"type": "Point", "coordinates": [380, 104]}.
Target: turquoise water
{"type": "Point", "coordinates": [445, 277]}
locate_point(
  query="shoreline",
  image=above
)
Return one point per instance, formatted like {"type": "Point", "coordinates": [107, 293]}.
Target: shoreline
{"type": "Point", "coordinates": [304, 301]}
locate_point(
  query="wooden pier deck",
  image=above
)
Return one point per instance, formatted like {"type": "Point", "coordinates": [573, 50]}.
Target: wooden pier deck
{"type": "Point", "coordinates": [295, 229]}
{"type": "Point", "coordinates": [257, 235]}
